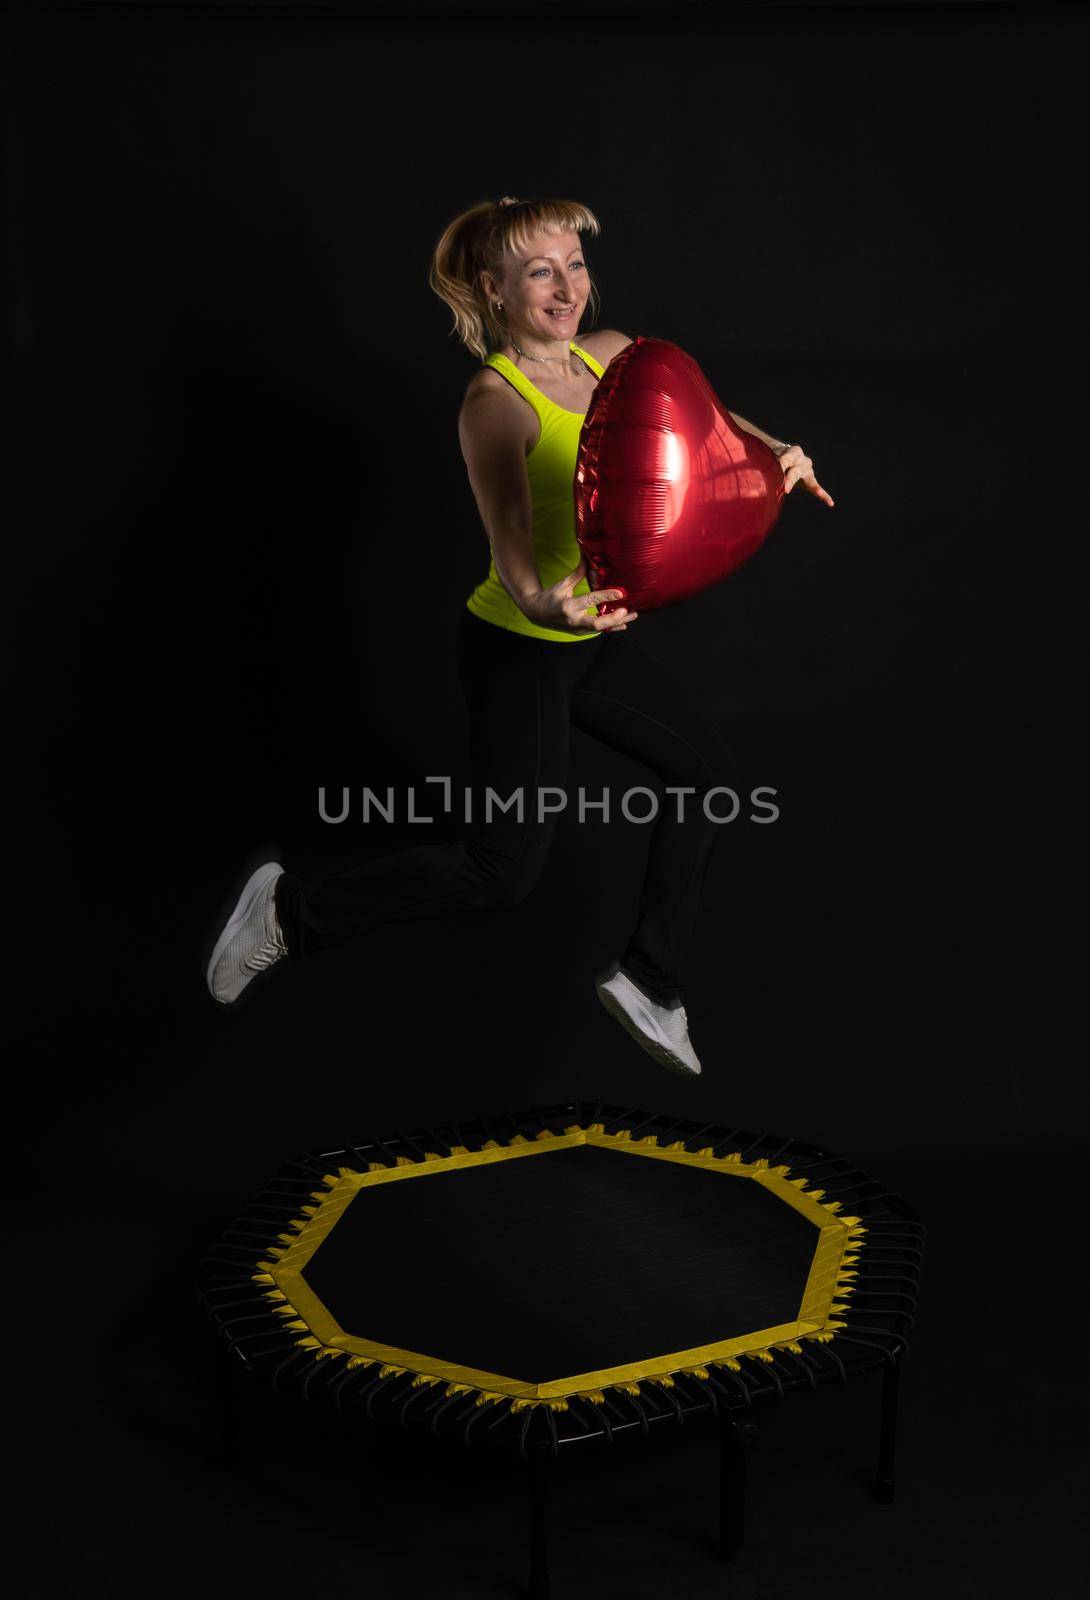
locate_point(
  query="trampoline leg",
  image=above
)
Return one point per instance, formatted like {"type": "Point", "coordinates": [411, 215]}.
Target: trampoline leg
{"type": "Point", "coordinates": [539, 1532]}
{"type": "Point", "coordinates": [885, 1482]}
{"type": "Point", "coordinates": [735, 1439]}
{"type": "Point", "coordinates": [229, 1454]}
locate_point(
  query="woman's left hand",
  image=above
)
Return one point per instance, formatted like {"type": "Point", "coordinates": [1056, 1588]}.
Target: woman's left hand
{"type": "Point", "coordinates": [798, 468]}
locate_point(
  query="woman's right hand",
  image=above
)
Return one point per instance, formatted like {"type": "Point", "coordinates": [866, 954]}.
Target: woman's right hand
{"type": "Point", "coordinates": [556, 607]}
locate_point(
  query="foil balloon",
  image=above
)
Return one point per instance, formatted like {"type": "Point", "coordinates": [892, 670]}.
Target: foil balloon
{"type": "Point", "coordinates": [671, 496]}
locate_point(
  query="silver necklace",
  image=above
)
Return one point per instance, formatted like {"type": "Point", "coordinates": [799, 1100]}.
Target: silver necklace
{"type": "Point", "coordinates": [527, 357]}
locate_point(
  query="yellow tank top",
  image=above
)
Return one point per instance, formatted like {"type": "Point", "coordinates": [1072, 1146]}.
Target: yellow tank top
{"type": "Point", "coordinates": [550, 467]}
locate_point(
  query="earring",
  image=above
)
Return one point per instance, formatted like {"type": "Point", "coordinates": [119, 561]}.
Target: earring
{"type": "Point", "coordinates": [499, 305]}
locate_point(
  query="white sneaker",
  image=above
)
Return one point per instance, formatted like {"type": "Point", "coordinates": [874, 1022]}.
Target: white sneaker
{"type": "Point", "coordinates": [252, 938]}
{"type": "Point", "coordinates": [663, 1033]}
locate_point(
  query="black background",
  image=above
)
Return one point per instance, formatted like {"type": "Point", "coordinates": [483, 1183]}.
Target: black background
{"type": "Point", "coordinates": [245, 540]}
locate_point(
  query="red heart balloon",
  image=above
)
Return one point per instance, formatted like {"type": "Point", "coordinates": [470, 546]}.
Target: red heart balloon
{"type": "Point", "coordinates": [670, 495]}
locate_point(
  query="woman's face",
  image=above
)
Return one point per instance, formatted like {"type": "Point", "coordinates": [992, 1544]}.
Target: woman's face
{"type": "Point", "coordinates": [545, 290]}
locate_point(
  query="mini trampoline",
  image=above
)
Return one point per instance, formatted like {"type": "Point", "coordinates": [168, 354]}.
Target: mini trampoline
{"type": "Point", "coordinates": [565, 1275]}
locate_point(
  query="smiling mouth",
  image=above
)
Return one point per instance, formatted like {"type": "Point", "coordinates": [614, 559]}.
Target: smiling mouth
{"type": "Point", "coordinates": [561, 315]}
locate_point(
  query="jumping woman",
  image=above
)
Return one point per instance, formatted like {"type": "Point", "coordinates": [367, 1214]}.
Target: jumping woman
{"type": "Point", "coordinates": [534, 658]}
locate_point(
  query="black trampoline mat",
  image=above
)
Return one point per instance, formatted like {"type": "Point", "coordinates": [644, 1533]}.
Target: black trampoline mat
{"type": "Point", "coordinates": [563, 1262]}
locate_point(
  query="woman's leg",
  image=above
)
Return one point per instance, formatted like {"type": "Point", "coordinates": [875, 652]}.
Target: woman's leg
{"type": "Point", "coordinates": [518, 698]}
{"type": "Point", "coordinates": [631, 703]}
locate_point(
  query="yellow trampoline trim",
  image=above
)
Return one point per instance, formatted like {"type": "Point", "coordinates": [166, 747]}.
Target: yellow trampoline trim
{"type": "Point", "coordinates": [828, 1283]}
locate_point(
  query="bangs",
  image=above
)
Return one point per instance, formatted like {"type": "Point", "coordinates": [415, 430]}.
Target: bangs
{"type": "Point", "coordinates": [516, 225]}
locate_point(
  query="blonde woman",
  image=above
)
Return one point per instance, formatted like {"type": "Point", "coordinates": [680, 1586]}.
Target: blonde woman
{"type": "Point", "coordinates": [534, 659]}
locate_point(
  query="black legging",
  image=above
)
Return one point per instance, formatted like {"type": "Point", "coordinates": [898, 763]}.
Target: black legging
{"type": "Point", "coordinates": [522, 696]}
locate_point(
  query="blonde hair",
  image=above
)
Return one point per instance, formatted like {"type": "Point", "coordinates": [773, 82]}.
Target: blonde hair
{"type": "Point", "coordinates": [483, 239]}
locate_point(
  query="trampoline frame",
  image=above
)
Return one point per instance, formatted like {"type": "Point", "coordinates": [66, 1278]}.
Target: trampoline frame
{"type": "Point", "coordinates": [256, 1336]}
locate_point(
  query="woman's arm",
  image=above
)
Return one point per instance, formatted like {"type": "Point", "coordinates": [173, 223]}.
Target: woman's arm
{"type": "Point", "coordinates": [493, 440]}
{"type": "Point", "coordinates": [493, 444]}
{"type": "Point", "coordinates": [797, 465]}
{"type": "Point", "coordinates": [748, 427]}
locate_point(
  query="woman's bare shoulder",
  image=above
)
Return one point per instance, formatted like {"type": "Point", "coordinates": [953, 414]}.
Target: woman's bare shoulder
{"type": "Point", "coordinates": [501, 397]}
{"type": "Point", "coordinates": [603, 344]}
{"type": "Point", "coordinates": [503, 414]}
{"type": "Point", "coordinates": [484, 380]}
